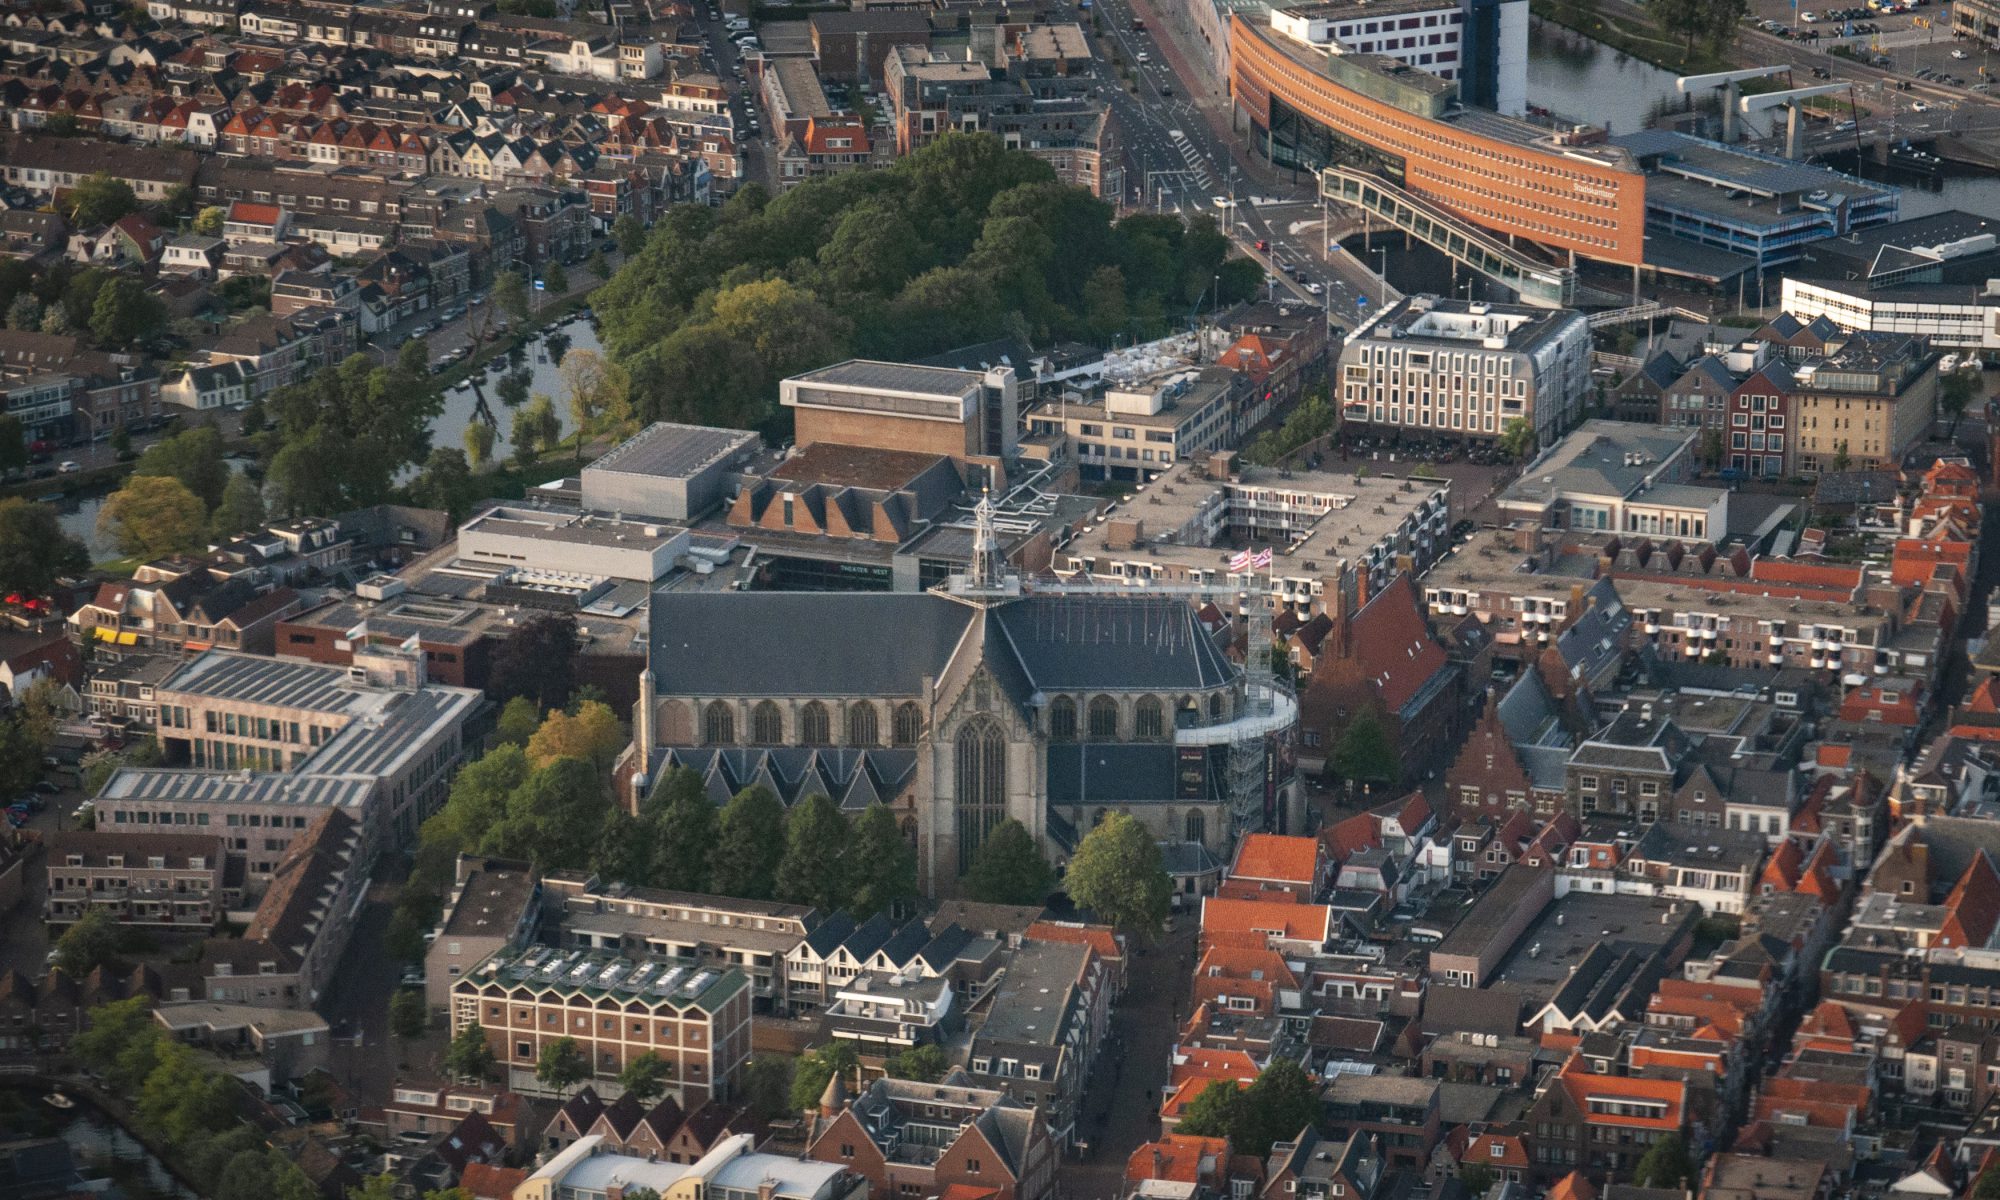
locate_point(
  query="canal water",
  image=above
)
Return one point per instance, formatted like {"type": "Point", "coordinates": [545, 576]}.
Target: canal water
{"type": "Point", "coordinates": [1584, 80]}
{"type": "Point", "coordinates": [459, 403]}
{"type": "Point", "coordinates": [103, 1149]}
{"type": "Point", "coordinates": [78, 514]}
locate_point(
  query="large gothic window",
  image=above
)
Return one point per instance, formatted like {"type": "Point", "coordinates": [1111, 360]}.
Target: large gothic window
{"type": "Point", "coordinates": [909, 725]}
{"type": "Point", "coordinates": [1062, 719]}
{"type": "Point", "coordinates": [861, 726]}
{"type": "Point", "coordinates": [718, 724]}
{"type": "Point", "coordinates": [767, 724]}
{"type": "Point", "coordinates": [815, 725]}
{"type": "Point", "coordinates": [1103, 718]}
{"type": "Point", "coordinates": [1152, 717]}
{"type": "Point", "coordinates": [1197, 826]}
{"type": "Point", "coordinates": [982, 785]}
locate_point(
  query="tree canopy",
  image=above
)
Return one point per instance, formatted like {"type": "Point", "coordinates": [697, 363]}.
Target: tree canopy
{"type": "Point", "coordinates": [344, 434]}
{"type": "Point", "coordinates": [1278, 1104]}
{"type": "Point", "coordinates": [153, 516]}
{"type": "Point", "coordinates": [1363, 752]}
{"type": "Point", "coordinates": [1118, 874]}
{"type": "Point", "coordinates": [195, 457]}
{"type": "Point", "coordinates": [955, 243]}
{"type": "Point", "coordinates": [34, 550]}
{"type": "Point", "coordinates": [1009, 868]}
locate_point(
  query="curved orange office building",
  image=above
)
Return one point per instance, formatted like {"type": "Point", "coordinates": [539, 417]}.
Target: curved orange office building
{"type": "Point", "coordinates": [1502, 174]}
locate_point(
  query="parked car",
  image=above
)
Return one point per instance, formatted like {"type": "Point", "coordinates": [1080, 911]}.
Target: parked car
{"type": "Point", "coordinates": [1960, 54]}
{"type": "Point", "coordinates": [69, 468]}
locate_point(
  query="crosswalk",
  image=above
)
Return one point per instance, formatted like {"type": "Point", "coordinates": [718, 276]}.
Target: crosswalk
{"type": "Point", "coordinates": [1196, 166]}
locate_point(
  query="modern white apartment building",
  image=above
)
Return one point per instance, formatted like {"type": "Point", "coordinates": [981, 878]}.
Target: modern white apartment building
{"type": "Point", "coordinates": [1464, 370]}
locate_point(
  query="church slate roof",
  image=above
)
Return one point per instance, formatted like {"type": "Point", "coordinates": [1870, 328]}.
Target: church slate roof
{"type": "Point", "coordinates": [802, 643]}
{"type": "Point", "coordinates": [1072, 644]}
{"type": "Point", "coordinates": [886, 644]}
{"type": "Point", "coordinates": [1120, 773]}
{"type": "Point", "coordinates": [853, 779]}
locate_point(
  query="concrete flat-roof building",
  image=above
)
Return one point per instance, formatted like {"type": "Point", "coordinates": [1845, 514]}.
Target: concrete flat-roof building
{"type": "Point", "coordinates": [543, 541]}
{"type": "Point", "coordinates": [900, 406]}
{"type": "Point", "coordinates": [1322, 526]}
{"type": "Point", "coordinates": [1761, 206]}
{"type": "Point", "coordinates": [668, 472]}
{"type": "Point", "coordinates": [1591, 478]}
{"type": "Point", "coordinates": [690, 927]}
{"type": "Point", "coordinates": [1145, 408]}
{"type": "Point", "coordinates": [272, 743]}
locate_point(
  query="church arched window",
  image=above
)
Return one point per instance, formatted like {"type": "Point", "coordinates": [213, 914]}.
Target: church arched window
{"type": "Point", "coordinates": [815, 725]}
{"type": "Point", "coordinates": [718, 724]}
{"type": "Point", "coordinates": [1062, 719]}
{"type": "Point", "coordinates": [1151, 717]}
{"type": "Point", "coordinates": [909, 725]}
{"type": "Point", "coordinates": [1103, 718]}
{"type": "Point", "coordinates": [861, 725]}
{"type": "Point", "coordinates": [981, 776]}
{"type": "Point", "coordinates": [767, 724]}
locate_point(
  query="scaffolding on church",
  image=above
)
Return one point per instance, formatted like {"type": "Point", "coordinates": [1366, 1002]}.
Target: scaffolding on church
{"type": "Point", "coordinates": [1255, 740]}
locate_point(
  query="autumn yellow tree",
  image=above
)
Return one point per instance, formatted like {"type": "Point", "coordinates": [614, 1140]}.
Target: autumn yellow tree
{"type": "Point", "coordinates": [153, 516]}
{"type": "Point", "coordinates": [599, 393]}
{"type": "Point", "coordinates": [592, 734]}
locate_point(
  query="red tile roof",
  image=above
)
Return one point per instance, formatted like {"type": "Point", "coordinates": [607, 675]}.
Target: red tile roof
{"type": "Point", "coordinates": [255, 214]}
{"type": "Point", "coordinates": [1278, 858]}
{"type": "Point", "coordinates": [1585, 1085]}
{"type": "Point", "coordinates": [1394, 645]}
{"type": "Point", "coordinates": [1349, 837]}
{"type": "Point", "coordinates": [1180, 1158]}
{"type": "Point", "coordinates": [1295, 922]}
{"type": "Point", "coordinates": [484, 1181]}
{"type": "Point", "coordinates": [1100, 938]}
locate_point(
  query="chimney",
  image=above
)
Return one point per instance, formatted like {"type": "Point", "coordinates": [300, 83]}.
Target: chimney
{"type": "Point", "coordinates": [1361, 588]}
{"type": "Point", "coordinates": [1159, 1164]}
{"type": "Point", "coordinates": [1335, 646]}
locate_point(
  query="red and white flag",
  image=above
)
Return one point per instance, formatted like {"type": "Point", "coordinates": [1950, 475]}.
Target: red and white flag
{"type": "Point", "coordinates": [1241, 562]}
{"type": "Point", "coordinates": [1262, 560]}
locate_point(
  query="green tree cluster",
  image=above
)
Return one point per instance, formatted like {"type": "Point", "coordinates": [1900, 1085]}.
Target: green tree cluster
{"type": "Point", "coordinates": [344, 434]}
{"type": "Point", "coordinates": [1665, 1165]}
{"type": "Point", "coordinates": [1364, 753]}
{"type": "Point", "coordinates": [1117, 874]}
{"type": "Point", "coordinates": [1283, 1100]}
{"type": "Point", "coordinates": [1313, 417]}
{"type": "Point", "coordinates": [1712, 22]}
{"type": "Point", "coordinates": [951, 244]}
{"type": "Point", "coordinates": [817, 1067]}
{"type": "Point", "coordinates": [176, 1100]}
{"type": "Point", "coordinates": [1009, 868]}
{"type": "Point", "coordinates": [34, 550]}
{"type": "Point", "coordinates": [754, 849]}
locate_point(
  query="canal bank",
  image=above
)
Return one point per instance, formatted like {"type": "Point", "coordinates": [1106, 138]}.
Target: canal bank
{"type": "Point", "coordinates": [103, 1146]}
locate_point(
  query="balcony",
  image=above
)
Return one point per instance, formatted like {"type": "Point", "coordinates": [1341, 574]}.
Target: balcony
{"type": "Point", "coordinates": [1266, 711]}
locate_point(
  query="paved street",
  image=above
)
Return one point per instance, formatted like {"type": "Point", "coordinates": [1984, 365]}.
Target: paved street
{"type": "Point", "coordinates": [1122, 1107]}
